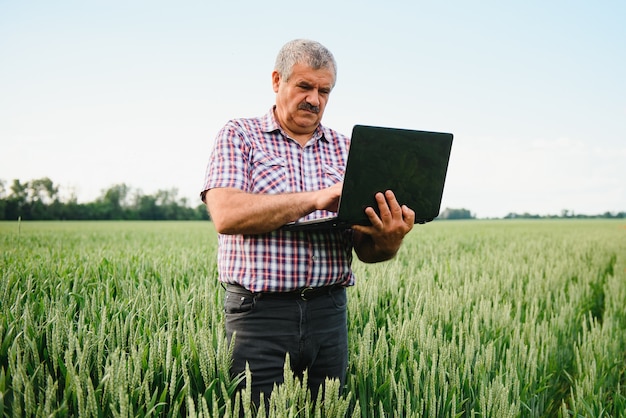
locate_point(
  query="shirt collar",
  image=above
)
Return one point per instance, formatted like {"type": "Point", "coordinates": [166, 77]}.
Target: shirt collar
{"type": "Point", "coordinates": [270, 124]}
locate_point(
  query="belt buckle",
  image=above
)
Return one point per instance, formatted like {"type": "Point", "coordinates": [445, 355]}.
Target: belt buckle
{"type": "Point", "coordinates": [303, 292]}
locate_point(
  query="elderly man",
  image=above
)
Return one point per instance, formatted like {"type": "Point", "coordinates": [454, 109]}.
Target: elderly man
{"type": "Point", "coordinates": [286, 290]}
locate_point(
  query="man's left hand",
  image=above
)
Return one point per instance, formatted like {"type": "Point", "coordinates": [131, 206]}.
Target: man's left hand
{"type": "Point", "coordinates": [383, 238]}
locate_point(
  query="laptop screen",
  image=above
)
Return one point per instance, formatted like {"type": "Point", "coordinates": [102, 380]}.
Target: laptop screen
{"type": "Point", "coordinates": [413, 164]}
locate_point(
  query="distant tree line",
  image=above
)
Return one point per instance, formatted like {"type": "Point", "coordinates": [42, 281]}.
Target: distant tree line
{"type": "Point", "coordinates": [40, 200]}
{"type": "Point", "coordinates": [567, 214]}
{"type": "Point", "coordinates": [449, 213]}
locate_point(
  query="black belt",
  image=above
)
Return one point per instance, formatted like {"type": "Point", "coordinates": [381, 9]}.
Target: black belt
{"type": "Point", "coordinates": [305, 293]}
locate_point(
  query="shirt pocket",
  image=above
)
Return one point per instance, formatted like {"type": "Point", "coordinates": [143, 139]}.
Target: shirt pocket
{"type": "Point", "coordinates": [332, 175]}
{"type": "Point", "coordinates": [269, 174]}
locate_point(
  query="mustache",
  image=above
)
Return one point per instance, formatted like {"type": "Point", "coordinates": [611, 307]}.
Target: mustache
{"type": "Point", "coordinates": [309, 107]}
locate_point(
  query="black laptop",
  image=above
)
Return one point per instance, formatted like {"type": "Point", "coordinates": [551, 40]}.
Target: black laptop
{"type": "Point", "coordinates": [413, 164]}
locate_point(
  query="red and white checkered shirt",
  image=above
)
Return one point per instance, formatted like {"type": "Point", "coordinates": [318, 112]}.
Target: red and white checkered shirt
{"type": "Point", "coordinates": [256, 156]}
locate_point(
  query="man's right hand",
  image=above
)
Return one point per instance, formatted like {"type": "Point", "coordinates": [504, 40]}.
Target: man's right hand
{"type": "Point", "coordinates": [328, 199]}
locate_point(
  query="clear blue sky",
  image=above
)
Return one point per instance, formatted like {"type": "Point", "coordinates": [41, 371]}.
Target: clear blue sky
{"type": "Point", "coordinates": [94, 94]}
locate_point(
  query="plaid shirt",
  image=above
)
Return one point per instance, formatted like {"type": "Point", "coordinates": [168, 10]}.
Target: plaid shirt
{"type": "Point", "coordinates": [256, 156]}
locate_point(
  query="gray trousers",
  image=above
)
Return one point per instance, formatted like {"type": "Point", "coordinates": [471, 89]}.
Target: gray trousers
{"type": "Point", "coordinates": [266, 328]}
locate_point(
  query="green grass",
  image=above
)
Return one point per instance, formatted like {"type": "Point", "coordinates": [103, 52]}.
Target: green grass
{"type": "Point", "coordinates": [472, 318]}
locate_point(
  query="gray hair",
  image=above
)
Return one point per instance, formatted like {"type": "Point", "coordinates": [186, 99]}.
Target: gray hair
{"type": "Point", "coordinates": [304, 51]}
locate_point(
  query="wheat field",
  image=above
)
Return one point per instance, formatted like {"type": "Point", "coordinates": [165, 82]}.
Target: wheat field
{"type": "Point", "coordinates": [471, 319]}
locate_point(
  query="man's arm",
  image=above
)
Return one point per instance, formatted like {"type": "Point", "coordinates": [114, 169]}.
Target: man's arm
{"type": "Point", "coordinates": [236, 212]}
{"type": "Point", "coordinates": [381, 241]}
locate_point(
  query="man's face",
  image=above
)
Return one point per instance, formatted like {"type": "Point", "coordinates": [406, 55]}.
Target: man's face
{"type": "Point", "coordinates": [300, 101]}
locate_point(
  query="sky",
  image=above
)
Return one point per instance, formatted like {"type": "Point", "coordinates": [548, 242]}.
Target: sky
{"type": "Point", "coordinates": [99, 93]}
